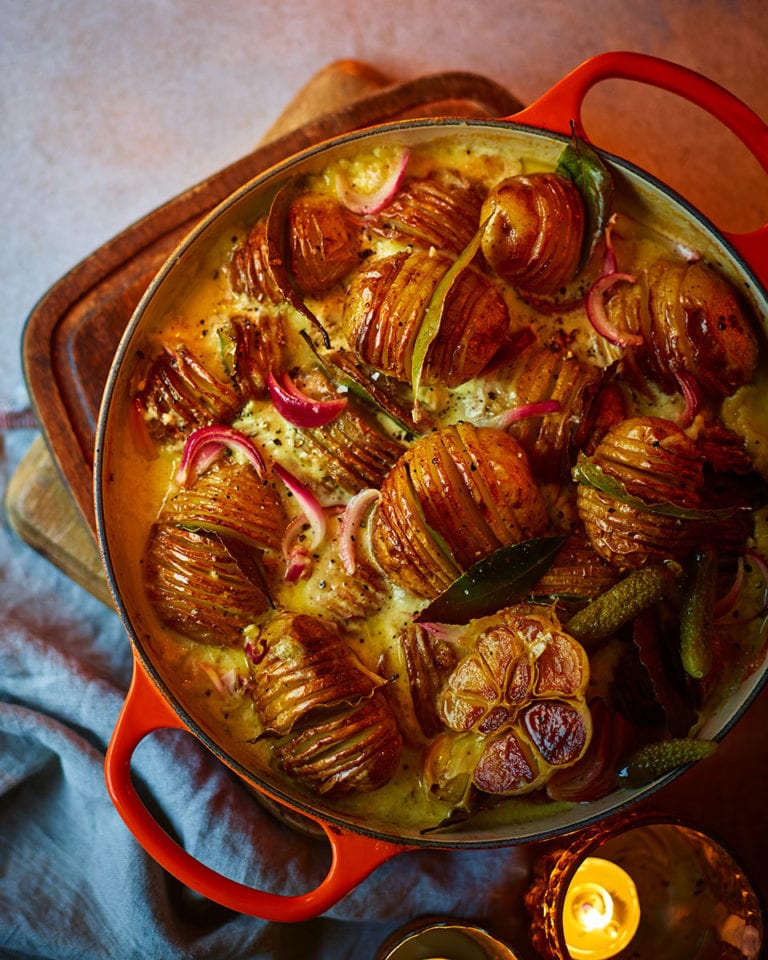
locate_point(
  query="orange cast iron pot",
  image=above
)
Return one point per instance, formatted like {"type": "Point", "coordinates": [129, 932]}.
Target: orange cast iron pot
{"type": "Point", "coordinates": [150, 705]}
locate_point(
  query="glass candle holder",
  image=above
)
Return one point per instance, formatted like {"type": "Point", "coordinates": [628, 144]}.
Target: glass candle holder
{"type": "Point", "coordinates": [644, 887]}
{"type": "Point", "coordinates": [441, 939]}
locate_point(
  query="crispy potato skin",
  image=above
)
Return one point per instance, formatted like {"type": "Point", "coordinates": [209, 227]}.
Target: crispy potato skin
{"type": "Point", "coordinates": [692, 324]}
{"type": "Point", "coordinates": [533, 233]}
{"type": "Point", "coordinates": [464, 489]}
{"type": "Point", "coordinates": [386, 303]}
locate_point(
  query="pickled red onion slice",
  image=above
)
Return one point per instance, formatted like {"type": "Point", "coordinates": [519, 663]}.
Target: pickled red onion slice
{"type": "Point", "coordinates": [725, 604]}
{"type": "Point", "coordinates": [609, 260]}
{"type": "Point", "coordinates": [299, 409]}
{"type": "Point", "coordinates": [599, 318]}
{"type": "Point", "coordinates": [692, 397]}
{"type": "Point", "coordinates": [225, 683]}
{"type": "Point", "coordinates": [298, 561]}
{"type": "Point", "coordinates": [350, 523]}
{"type": "Point", "coordinates": [311, 507]}
{"type": "Point", "coordinates": [366, 204]}
{"type": "Point", "coordinates": [205, 445]}
{"type": "Point", "coordinates": [537, 408]}
{"type": "Point", "coordinates": [754, 557]}
{"type": "Point", "coordinates": [298, 565]}
{"type": "Point", "coordinates": [443, 631]}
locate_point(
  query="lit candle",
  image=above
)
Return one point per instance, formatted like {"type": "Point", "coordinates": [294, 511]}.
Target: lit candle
{"type": "Point", "coordinates": [601, 913]}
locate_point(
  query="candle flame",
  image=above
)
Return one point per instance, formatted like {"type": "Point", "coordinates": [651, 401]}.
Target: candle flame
{"type": "Point", "coordinates": [601, 910]}
{"type": "Point", "coordinates": [593, 906]}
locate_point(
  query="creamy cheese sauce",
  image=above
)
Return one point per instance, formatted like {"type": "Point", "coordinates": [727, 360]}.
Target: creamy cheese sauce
{"type": "Point", "coordinates": [211, 681]}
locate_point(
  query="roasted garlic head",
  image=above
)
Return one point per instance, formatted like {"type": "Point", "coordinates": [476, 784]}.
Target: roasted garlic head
{"type": "Point", "coordinates": [516, 704]}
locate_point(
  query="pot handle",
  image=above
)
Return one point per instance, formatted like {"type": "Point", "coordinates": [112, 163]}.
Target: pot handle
{"type": "Point", "coordinates": [354, 857]}
{"type": "Point", "coordinates": [561, 106]}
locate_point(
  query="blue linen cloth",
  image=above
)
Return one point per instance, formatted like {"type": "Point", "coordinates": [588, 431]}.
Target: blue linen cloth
{"type": "Point", "coordinates": [73, 881]}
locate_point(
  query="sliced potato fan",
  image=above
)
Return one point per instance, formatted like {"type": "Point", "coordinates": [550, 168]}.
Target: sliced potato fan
{"type": "Point", "coordinates": [198, 588]}
{"type": "Point", "coordinates": [453, 498]}
{"type": "Point", "coordinates": [337, 730]}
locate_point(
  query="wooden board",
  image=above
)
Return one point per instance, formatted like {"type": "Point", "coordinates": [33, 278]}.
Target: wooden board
{"type": "Point", "coordinates": [70, 338]}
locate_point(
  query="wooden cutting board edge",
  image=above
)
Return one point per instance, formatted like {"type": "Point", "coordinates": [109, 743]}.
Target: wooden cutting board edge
{"type": "Point", "coordinates": [38, 505]}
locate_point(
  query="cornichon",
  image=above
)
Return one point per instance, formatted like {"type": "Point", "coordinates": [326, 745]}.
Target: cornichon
{"type": "Point", "coordinates": [697, 603]}
{"type": "Point", "coordinates": [622, 602]}
{"type": "Point", "coordinates": [661, 757]}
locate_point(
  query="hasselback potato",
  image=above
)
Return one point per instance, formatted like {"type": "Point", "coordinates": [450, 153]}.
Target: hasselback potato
{"type": "Point", "coordinates": [578, 572]}
{"type": "Point", "coordinates": [551, 371]}
{"type": "Point", "coordinates": [197, 586]}
{"type": "Point", "coordinates": [385, 306]}
{"type": "Point", "coordinates": [323, 241]}
{"type": "Point", "coordinates": [203, 560]}
{"type": "Point", "coordinates": [177, 393]}
{"type": "Point", "coordinates": [533, 231]}
{"type": "Point", "coordinates": [322, 247]}
{"type": "Point", "coordinates": [692, 323]}
{"type": "Point", "coordinates": [453, 498]}
{"type": "Point", "coordinates": [255, 347]}
{"type": "Point", "coordinates": [232, 500]}
{"type": "Point", "coordinates": [657, 466]}
{"type": "Point", "coordinates": [441, 212]}
{"type": "Point", "coordinates": [420, 664]}
{"type": "Point", "coordinates": [337, 732]}
{"type": "Point", "coordinates": [249, 270]}
{"type": "Point", "coordinates": [355, 451]}
{"type": "Point", "coordinates": [354, 752]}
